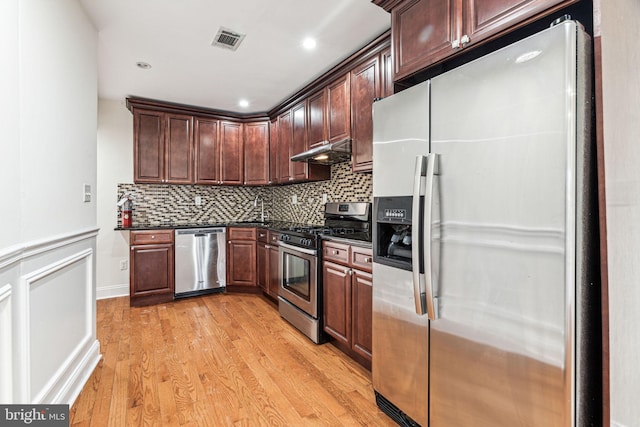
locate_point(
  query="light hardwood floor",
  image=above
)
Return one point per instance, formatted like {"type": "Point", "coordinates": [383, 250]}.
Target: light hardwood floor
{"type": "Point", "coordinates": [218, 360]}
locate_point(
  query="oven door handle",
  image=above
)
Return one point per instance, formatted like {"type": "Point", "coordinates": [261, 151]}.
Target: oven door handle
{"type": "Point", "coordinates": [292, 248]}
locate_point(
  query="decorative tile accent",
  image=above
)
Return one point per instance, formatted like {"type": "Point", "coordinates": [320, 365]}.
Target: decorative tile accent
{"type": "Point", "coordinates": [163, 204]}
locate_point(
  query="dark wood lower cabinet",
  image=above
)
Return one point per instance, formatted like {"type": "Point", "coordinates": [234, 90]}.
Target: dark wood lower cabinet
{"type": "Point", "coordinates": [241, 259]}
{"type": "Point", "coordinates": [336, 283]}
{"type": "Point", "coordinates": [268, 263]}
{"type": "Point", "coordinates": [361, 304]}
{"type": "Point", "coordinates": [347, 294]}
{"type": "Point", "coordinates": [151, 277]}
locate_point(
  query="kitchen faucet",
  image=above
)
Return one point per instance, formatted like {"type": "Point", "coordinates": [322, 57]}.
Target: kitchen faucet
{"type": "Point", "coordinates": [255, 205]}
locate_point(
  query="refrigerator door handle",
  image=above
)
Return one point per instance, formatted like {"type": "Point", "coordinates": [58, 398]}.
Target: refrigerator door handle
{"type": "Point", "coordinates": [432, 170]}
{"type": "Point", "coordinates": [418, 279]}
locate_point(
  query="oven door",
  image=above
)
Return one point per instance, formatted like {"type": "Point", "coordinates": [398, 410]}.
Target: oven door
{"type": "Point", "coordinates": [298, 277]}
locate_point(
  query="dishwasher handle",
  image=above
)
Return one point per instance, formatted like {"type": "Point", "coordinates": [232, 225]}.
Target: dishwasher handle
{"type": "Point", "coordinates": [199, 232]}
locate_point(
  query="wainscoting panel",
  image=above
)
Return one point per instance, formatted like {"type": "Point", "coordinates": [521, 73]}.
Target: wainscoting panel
{"type": "Point", "coordinates": [6, 366]}
{"type": "Point", "coordinates": [53, 331]}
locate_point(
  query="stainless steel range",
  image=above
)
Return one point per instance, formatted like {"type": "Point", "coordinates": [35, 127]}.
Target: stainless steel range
{"type": "Point", "coordinates": [300, 290]}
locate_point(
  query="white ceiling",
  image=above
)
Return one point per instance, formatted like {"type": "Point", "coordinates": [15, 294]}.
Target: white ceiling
{"type": "Point", "coordinates": [175, 36]}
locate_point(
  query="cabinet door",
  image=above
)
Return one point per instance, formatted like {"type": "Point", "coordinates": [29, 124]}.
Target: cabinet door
{"type": "Point", "coordinates": [274, 271]}
{"type": "Point", "coordinates": [339, 111]}
{"type": "Point", "coordinates": [336, 282]}
{"type": "Point", "coordinates": [262, 279]}
{"type": "Point", "coordinates": [179, 149]}
{"type": "Point", "coordinates": [151, 270]}
{"type": "Point", "coordinates": [316, 123]}
{"type": "Point", "coordinates": [148, 137]}
{"type": "Point", "coordinates": [207, 151]}
{"type": "Point", "coordinates": [362, 312]}
{"type": "Point", "coordinates": [423, 31]}
{"type": "Point", "coordinates": [299, 142]}
{"type": "Point", "coordinates": [241, 263]}
{"type": "Point", "coordinates": [285, 136]}
{"type": "Point", "coordinates": [365, 87]}
{"type": "Point", "coordinates": [482, 19]}
{"type": "Point", "coordinates": [256, 153]}
{"type": "Point", "coordinates": [231, 153]}
{"type": "Point", "coordinates": [273, 152]}
{"type": "Point", "coordinates": [386, 68]}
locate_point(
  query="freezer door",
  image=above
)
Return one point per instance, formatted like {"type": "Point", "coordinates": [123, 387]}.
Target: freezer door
{"type": "Point", "coordinates": [400, 367]}
{"type": "Point", "coordinates": [504, 127]}
{"type": "Point", "coordinates": [400, 133]}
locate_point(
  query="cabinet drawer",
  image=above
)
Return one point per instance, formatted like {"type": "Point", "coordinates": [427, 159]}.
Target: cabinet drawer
{"type": "Point", "coordinates": [241, 233]}
{"type": "Point", "coordinates": [263, 235]}
{"type": "Point", "coordinates": [151, 237]}
{"type": "Point", "coordinates": [336, 252]}
{"type": "Point", "coordinates": [274, 237]}
{"type": "Point", "coordinates": [361, 258]}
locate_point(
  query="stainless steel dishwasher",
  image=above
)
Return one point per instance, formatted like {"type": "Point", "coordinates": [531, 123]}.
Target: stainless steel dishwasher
{"type": "Point", "coordinates": [200, 261]}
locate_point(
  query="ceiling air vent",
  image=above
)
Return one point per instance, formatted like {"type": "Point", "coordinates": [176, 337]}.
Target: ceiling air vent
{"type": "Point", "coordinates": [228, 39]}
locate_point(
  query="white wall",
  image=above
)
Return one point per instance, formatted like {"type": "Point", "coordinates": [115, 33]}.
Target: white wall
{"type": "Point", "coordinates": [9, 146]}
{"type": "Point", "coordinates": [115, 151]}
{"type": "Point", "coordinates": [47, 243]}
{"type": "Point", "coordinates": [621, 99]}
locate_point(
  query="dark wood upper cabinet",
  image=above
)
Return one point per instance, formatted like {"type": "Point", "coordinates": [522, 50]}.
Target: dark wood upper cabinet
{"type": "Point", "coordinates": [285, 140]}
{"type": "Point", "coordinates": [422, 33]}
{"type": "Point", "coordinates": [231, 153]}
{"type": "Point", "coordinates": [207, 151]}
{"type": "Point", "coordinates": [483, 19]}
{"type": "Point", "coordinates": [299, 140]}
{"type": "Point", "coordinates": [148, 143]}
{"type": "Point", "coordinates": [256, 153]}
{"type": "Point", "coordinates": [163, 147]}
{"type": "Point", "coordinates": [179, 149]}
{"type": "Point", "coordinates": [273, 151]}
{"type": "Point", "coordinates": [316, 118]}
{"type": "Point", "coordinates": [427, 31]}
{"type": "Point", "coordinates": [365, 88]}
{"type": "Point", "coordinates": [339, 113]}
{"type": "Point", "coordinates": [386, 65]}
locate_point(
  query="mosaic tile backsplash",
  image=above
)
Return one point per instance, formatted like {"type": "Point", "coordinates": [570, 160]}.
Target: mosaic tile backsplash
{"type": "Point", "coordinates": [160, 204]}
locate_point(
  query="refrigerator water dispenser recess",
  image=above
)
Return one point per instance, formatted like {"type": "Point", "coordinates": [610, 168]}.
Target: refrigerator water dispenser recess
{"type": "Point", "coordinates": [392, 231]}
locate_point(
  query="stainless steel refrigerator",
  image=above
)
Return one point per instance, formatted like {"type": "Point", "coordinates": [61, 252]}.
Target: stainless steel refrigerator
{"type": "Point", "coordinates": [485, 273]}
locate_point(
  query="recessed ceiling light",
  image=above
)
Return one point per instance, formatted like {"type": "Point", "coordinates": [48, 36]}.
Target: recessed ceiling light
{"type": "Point", "coordinates": [143, 65]}
{"type": "Point", "coordinates": [309, 43]}
{"type": "Point", "coordinates": [243, 103]}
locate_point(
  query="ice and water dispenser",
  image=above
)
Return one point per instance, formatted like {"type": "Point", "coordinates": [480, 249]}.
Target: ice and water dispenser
{"type": "Point", "coordinates": [392, 231]}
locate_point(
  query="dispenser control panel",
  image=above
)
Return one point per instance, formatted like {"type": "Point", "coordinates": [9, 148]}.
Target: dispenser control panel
{"type": "Point", "coordinates": [395, 213]}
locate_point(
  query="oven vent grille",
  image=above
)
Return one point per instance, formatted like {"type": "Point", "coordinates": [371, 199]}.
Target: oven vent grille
{"type": "Point", "coordinates": [227, 39]}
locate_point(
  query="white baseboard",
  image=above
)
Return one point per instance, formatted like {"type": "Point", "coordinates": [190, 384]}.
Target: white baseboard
{"type": "Point", "coordinates": [112, 291]}
{"type": "Point", "coordinates": [77, 379]}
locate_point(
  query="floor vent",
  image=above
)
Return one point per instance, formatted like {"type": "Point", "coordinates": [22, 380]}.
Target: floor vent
{"type": "Point", "coordinates": [393, 412]}
{"type": "Point", "coordinates": [227, 39]}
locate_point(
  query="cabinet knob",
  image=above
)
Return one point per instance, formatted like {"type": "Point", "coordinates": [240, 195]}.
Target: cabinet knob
{"type": "Point", "coordinates": [153, 237]}
{"type": "Point", "coordinates": [464, 40]}
{"type": "Point", "coordinates": [267, 246]}
{"type": "Point", "coordinates": [335, 252]}
{"type": "Point", "coordinates": [349, 272]}
{"type": "Point", "coordinates": [367, 259]}
{"type": "Point", "coordinates": [455, 44]}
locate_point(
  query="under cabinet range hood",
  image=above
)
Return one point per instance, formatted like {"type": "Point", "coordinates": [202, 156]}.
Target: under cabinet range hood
{"type": "Point", "coordinates": [326, 154]}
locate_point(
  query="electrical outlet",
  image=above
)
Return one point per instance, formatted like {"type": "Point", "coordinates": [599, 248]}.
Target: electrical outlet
{"type": "Point", "coordinates": [124, 264]}
{"type": "Point", "coordinates": [294, 199]}
{"type": "Point", "coordinates": [198, 200]}
{"type": "Point", "coordinates": [324, 198]}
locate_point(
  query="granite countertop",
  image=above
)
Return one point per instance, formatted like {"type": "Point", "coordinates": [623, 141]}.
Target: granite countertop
{"type": "Point", "coordinates": [359, 239]}
{"type": "Point", "coordinates": [273, 225]}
